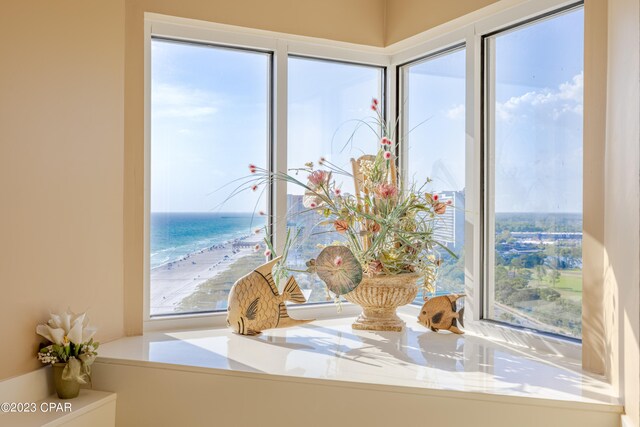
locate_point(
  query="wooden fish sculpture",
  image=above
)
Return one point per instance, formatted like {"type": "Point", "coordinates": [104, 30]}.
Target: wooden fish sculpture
{"type": "Point", "coordinates": [255, 304]}
{"type": "Point", "coordinates": [440, 313]}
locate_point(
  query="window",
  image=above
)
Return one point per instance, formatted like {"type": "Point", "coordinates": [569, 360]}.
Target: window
{"type": "Point", "coordinates": [432, 110]}
{"type": "Point", "coordinates": [326, 98]}
{"type": "Point", "coordinates": [491, 112]}
{"type": "Point", "coordinates": [209, 105]}
{"type": "Point", "coordinates": [533, 77]}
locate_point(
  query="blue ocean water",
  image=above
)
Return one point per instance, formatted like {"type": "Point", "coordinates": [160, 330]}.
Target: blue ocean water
{"type": "Point", "coordinates": [174, 235]}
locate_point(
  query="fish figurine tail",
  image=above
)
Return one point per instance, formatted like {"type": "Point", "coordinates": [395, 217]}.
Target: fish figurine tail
{"type": "Point", "coordinates": [292, 292]}
{"type": "Point", "coordinates": [285, 321]}
{"type": "Point", "coordinates": [461, 317]}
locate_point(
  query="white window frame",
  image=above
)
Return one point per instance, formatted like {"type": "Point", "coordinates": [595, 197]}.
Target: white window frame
{"type": "Point", "coordinates": [467, 30]}
{"type": "Point", "coordinates": [488, 49]}
{"type": "Point", "coordinates": [280, 46]}
{"type": "Point", "coordinates": [470, 31]}
{"type": "Point", "coordinates": [404, 148]}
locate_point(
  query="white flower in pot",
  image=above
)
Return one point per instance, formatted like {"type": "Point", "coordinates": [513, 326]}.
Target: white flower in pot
{"type": "Point", "coordinates": [71, 351]}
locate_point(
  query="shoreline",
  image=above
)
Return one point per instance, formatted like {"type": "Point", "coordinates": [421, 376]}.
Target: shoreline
{"type": "Point", "coordinates": [234, 240]}
{"type": "Point", "coordinates": [175, 280]}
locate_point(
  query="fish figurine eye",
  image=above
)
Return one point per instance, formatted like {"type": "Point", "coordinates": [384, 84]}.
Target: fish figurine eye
{"type": "Point", "coordinates": [424, 312]}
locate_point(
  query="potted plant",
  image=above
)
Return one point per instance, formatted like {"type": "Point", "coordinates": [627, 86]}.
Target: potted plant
{"type": "Point", "coordinates": [70, 350]}
{"type": "Point", "coordinates": [387, 226]}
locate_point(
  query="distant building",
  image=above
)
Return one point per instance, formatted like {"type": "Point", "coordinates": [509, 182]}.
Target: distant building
{"type": "Point", "coordinates": [450, 226]}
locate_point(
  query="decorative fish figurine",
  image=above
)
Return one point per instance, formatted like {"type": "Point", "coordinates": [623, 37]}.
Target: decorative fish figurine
{"type": "Point", "coordinates": [440, 313]}
{"type": "Point", "coordinates": [255, 304]}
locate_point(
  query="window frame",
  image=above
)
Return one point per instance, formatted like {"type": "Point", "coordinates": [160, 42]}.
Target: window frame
{"type": "Point", "coordinates": [268, 149]}
{"type": "Point", "coordinates": [403, 149]}
{"type": "Point", "coordinates": [488, 178]}
{"type": "Point", "coordinates": [468, 31]}
{"type": "Point", "coordinates": [280, 48]}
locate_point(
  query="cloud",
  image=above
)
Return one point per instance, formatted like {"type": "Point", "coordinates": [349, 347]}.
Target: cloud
{"type": "Point", "coordinates": [456, 112]}
{"type": "Point", "coordinates": [567, 98]}
{"type": "Point", "coordinates": [173, 101]}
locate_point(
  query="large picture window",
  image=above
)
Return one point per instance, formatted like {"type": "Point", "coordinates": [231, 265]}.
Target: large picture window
{"type": "Point", "coordinates": [491, 118]}
{"type": "Point", "coordinates": [533, 90]}
{"type": "Point", "coordinates": [209, 108]}
{"type": "Point", "coordinates": [432, 110]}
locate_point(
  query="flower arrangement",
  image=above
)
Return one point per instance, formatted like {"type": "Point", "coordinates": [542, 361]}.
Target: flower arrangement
{"type": "Point", "coordinates": [388, 225]}
{"type": "Point", "coordinates": [70, 342]}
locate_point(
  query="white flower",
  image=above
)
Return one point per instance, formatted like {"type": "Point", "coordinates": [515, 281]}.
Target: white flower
{"type": "Point", "coordinates": [66, 327]}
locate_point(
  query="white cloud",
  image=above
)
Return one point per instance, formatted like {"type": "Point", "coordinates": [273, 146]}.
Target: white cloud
{"type": "Point", "coordinates": [456, 112]}
{"type": "Point", "coordinates": [172, 101]}
{"type": "Point", "coordinates": [567, 98]}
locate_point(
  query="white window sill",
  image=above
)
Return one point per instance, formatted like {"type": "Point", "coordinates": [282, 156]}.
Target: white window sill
{"type": "Point", "coordinates": [417, 358]}
{"type": "Point", "coordinates": [217, 319]}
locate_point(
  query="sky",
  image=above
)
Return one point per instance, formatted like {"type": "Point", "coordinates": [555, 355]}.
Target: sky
{"type": "Point", "coordinates": [209, 109]}
{"type": "Point", "coordinates": [538, 102]}
{"type": "Point", "coordinates": [327, 103]}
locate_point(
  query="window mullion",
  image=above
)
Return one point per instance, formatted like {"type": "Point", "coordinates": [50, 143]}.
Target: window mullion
{"type": "Point", "coordinates": [489, 176]}
{"type": "Point", "coordinates": [279, 146]}
{"type": "Point", "coordinates": [473, 165]}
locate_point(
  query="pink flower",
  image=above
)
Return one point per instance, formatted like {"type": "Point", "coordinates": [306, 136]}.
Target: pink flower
{"type": "Point", "coordinates": [254, 188]}
{"type": "Point", "coordinates": [386, 191]}
{"type": "Point", "coordinates": [321, 161]}
{"type": "Point", "coordinates": [387, 155]}
{"type": "Point", "coordinates": [256, 247]}
{"type": "Point", "coordinates": [374, 101]}
{"type": "Point", "coordinates": [374, 107]}
{"type": "Point", "coordinates": [435, 197]}
{"type": "Point", "coordinates": [318, 177]}
{"type": "Point", "coordinates": [257, 231]}
{"type": "Point", "coordinates": [337, 261]}
{"type": "Point", "coordinates": [313, 205]}
{"type": "Point", "coordinates": [449, 202]}
{"type": "Point", "coordinates": [261, 213]}
{"type": "Point", "coordinates": [385, 141]}
{"type": "Point", "coordinates": [337, 191]}
{"type": "Point", "coordinates": [267, 253]}
{"type": "Point", "coordinates": [252, 168]}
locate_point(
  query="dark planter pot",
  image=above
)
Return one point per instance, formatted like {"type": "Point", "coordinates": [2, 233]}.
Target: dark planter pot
{"type": "Point", "coordinates": [65, 389]}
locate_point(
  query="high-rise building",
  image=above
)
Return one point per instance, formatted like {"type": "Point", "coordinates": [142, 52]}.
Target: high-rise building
{"type": "Point", "coordinates": [450, 225]}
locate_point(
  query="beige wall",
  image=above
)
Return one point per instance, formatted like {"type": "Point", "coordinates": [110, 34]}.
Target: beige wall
{"type": "Point", "coordinates": [622, 204]}
{"type": "Point", "coordinates": [61, 168]}
{"type": "Point", "coordinates": [406, 18]}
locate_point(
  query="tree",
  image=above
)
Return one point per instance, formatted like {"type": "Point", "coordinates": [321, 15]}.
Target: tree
{"type": "Point", "coordinates": [554, 277]}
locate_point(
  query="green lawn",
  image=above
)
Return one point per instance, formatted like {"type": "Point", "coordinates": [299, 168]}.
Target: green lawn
{"type": "Point", "coordinates": [569, 284]}
{"type": "Point", "coordinates": [570, 280]}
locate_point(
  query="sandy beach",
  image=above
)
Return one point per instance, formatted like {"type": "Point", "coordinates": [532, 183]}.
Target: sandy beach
{"type": "Point", "coordinates": [174, 281]}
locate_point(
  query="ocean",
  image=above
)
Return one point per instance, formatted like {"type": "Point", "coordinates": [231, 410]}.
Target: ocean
{"type": "Point", "coordinates": [174, 235]}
